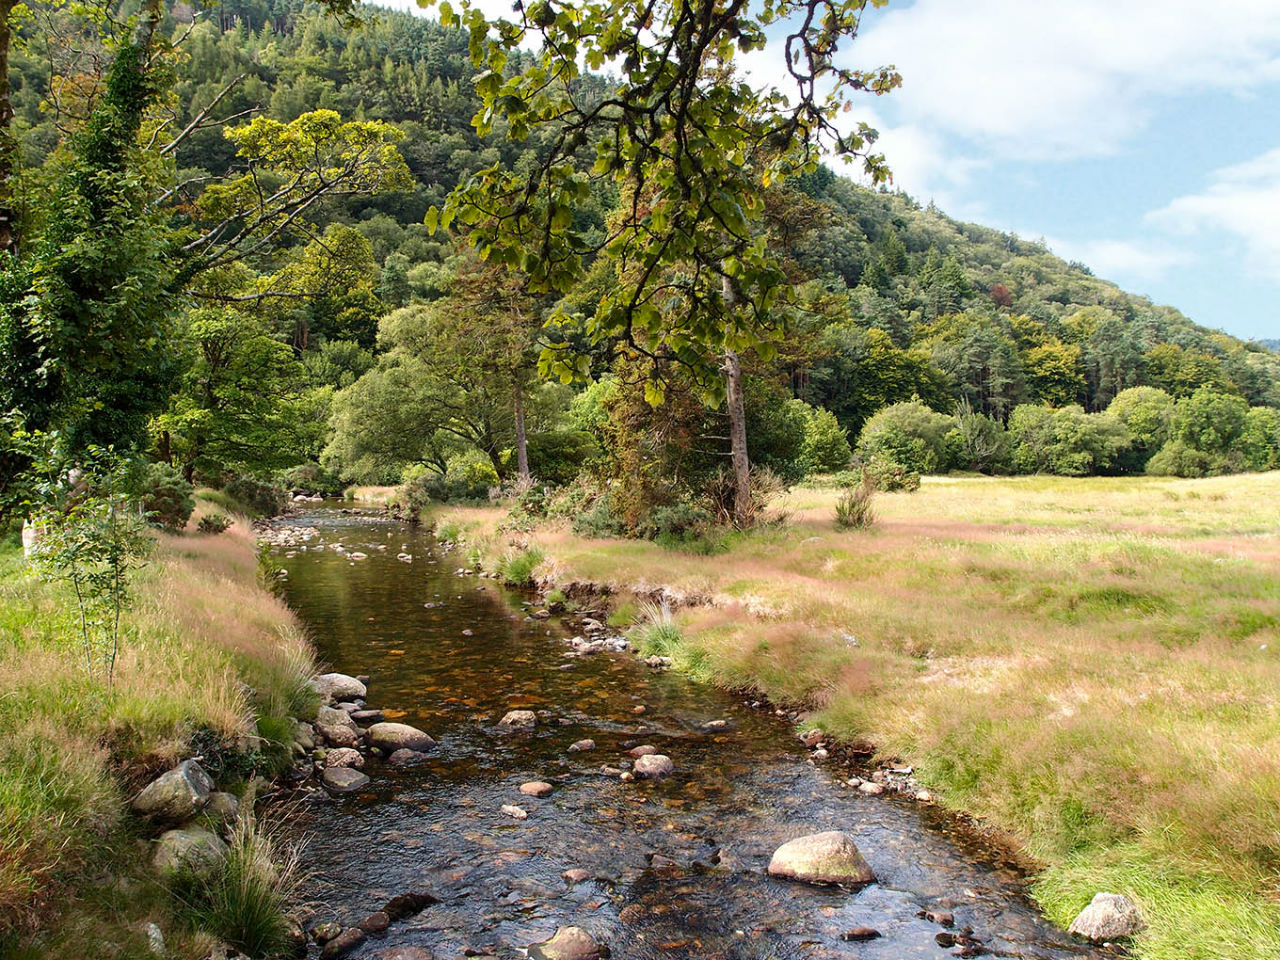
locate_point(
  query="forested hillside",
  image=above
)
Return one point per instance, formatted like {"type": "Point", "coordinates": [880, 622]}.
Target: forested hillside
{"type": "Point", "coordinates": [363, 341]}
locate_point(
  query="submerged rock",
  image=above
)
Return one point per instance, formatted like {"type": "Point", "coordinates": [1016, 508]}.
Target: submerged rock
{"type": "Point", "coordinates": [399, 736]}
{"type": "Point", "coordinates": [519, 719]}
{"type": "Point", "coordinates": [404, 758]}
{"type": "Point", "coordinates": [536, 788]}
{"type": "Point", "coordinates": [830, 857]}
{"type": "Point", "coordinates": [645, 750]}
{"type": "Point", "coordinates": [343, 944]}
{"type": "Point", "coordinates": [569, 943]}
{"type": "Point", "coordinates": [343, 780]}
{"type": "Point", "coordinates": [192, 849]}
{"type": "Point", "coordinates": [654, 765]}
{"type": "Point", "coordinates": [582, 746]}
{"type": "Point", "coordinates": [1109, 916]}
{"type": "Point", "coordinates": [408, 904]}
{"type": "Point", "coordinates": [339, 687]}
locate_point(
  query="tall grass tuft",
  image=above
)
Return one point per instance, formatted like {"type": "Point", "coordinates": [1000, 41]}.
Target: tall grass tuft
{"type": "Point", "coordinates": [246, 903]}
{"type": "Point", "coordinates": [519, 568]}
{"type": "Point", "coordinates": [657, 633]}
{"type": "Point", "coordinates": [853, 508]}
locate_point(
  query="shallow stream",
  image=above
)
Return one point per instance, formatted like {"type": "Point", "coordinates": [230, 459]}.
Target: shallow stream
{"type": "Point", "coordinates": [678, 865]}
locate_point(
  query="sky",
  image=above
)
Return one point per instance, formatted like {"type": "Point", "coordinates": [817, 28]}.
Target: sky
{"type": "Point", "coordinates": [1140, 137]}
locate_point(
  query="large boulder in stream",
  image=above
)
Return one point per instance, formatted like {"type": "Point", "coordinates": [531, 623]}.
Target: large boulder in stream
{"type": "Point", "coordinates": [569, 943]}
{"type": "Point", "coordinates": [337, 727]}
{"type": "Point", "coordinates": [175, 797]}
{"type": "Point", "coordinates": [338, 687]}
{"type": "Point", "coordinates": [830, 857]}
{"type": "Point", "coordinates": [1109, 916]}
{"type": "Point", "coordinates": [192, 850]}
{"type": "Point", "coordinates": [399, 736]}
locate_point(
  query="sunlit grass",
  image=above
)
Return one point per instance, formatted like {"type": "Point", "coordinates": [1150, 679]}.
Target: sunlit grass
{"type": "Point", "coordinates": [1088, 665]}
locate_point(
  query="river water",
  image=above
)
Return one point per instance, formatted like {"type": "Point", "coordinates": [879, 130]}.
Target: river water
{"type": "Point", "coordinates": [451, 654]}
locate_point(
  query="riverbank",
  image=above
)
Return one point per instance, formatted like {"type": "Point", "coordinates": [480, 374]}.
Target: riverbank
{"type": "Point", "coordinates": [1088, 666]}
{"type": "Point", "coordinates": [208, 656]}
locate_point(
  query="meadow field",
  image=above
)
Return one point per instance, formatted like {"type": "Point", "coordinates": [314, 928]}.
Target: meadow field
{"type": "Point", "coordinates": [1090, 667]}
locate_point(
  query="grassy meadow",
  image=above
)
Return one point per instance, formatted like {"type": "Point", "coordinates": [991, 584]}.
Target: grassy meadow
{"type": "Point", "coordinates": [1091, 667]}
{"type": "Point", "coordinates": [73, 750]}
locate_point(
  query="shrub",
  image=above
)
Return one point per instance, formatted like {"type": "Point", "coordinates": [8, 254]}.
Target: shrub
{"type": "Point", "coordinates": [680, 526]}
{"type": "Point", "coordinates": [909, 434]}
{"type": "Point", "coordinates": [826, 445]}
{"type": "Point", "coordinates": [599, 521]}
{"type": "Point", "coordinates": [310, 478]}
{"type": "Point", "coordinates": [558, 456]}
{"type": "Point", "coordinates": [853, 508]}
{"type": "Point", "coordinates": [166, 496]}
{"type": "Point", "coordinates": [1067, 442]}
{"type": "Point", "coordinates": [978, 442]}
{"type": "Point", "coordinates": [258, 497]}
{"type": "Point", "coordinates": [1206, 437]}
{"type": "Point", "coordinates": [890, 477]}
{"type": "Point", "coordinates": [214, 523]}
{"type": "Point", "coordinates": [766, 487]}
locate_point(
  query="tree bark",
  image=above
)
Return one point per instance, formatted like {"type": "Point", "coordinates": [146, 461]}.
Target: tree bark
{"type": "Point", "coordinates": [522, 443]}
{"type": "Point", "coordinates": [742, 508]}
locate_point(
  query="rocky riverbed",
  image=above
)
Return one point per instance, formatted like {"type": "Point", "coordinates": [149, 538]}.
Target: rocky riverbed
{"type": "Point", "coordinates": [546, 793]}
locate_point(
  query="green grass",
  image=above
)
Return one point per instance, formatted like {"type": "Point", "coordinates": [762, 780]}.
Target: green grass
{"type": "Point", "coordinates": [520, 567]}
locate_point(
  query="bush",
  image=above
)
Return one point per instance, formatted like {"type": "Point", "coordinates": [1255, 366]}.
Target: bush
{"type": "Point", "coordinates": [557, 457]}
{"type": "Point", "coordinates": [1067, 442]}
{"type": "Point", "coordinates": [166, 496]}
{"type": "Point", "coordinates": [853, 508]}
{"type": "Point", "coordinates": [909, 434]}
{"type": "Point", "coordinates": [214, 523]}
{"type": "Point", "coordinates": [978, 442]}
{"type": "Point", "coordinates": [1147, 412]}
{"type": "Point", "coordinates": [890, 477]}
{"type": "Point", "coordinates": [310, 478]}
{"type": "Point", "coordinates": [599, 521]}
{"type": "Point", "coordinates": [766, 488]}
{"type": "Point", "coordinates": [259, 498]}
{"type": "Point", "coordinates": [826, 445]}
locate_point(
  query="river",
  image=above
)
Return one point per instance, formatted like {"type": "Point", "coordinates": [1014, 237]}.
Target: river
{"type": "Point", "coordinates": [677, 865]}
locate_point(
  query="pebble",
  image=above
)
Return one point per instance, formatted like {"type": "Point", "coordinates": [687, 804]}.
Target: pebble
{"type": "Point", "coordinates": [516, 813]}
{"type": "Point", "coordinates": [644, 750]}
{"type": "Point", "coordinates": [871, 789]}
{"type": "Point", "coordinates": [576, 875]}
{"type": "Point", "coordinates": [581, 746]}
{"type": "Point", "coordinates": [858, 934]}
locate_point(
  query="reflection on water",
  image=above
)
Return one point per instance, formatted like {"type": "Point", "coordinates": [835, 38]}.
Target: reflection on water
{"type": "Point", "coordinates": [736, 795]}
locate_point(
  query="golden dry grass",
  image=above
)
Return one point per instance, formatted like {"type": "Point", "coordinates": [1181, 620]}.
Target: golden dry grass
{"type": "Point", "coordinates": [1088, 665]}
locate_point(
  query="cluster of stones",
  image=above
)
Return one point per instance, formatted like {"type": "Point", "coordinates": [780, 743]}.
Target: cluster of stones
{"type": "Point", "coordinates": [337, 941]}
{"type": "Point", "coordinates": [193, 816]}
{"type": "Point", "coordinates": [346, 731]}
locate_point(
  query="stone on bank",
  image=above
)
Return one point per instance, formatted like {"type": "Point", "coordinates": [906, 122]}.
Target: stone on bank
{"type": "Point", "coordinates": [1109, 916]}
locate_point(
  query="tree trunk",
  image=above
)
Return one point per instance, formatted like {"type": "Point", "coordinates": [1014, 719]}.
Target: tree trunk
{"type": "Point", "coordinates": [522, 443]}
{"type": "Point", "coordinates": [742, 508]}
{"type": "Point", "coordinates": [8, 147]}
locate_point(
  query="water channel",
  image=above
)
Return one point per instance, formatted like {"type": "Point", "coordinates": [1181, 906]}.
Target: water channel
{"type": "Point", "coordinates": [677, 865]}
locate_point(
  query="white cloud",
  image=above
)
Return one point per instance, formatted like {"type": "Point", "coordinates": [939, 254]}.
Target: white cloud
{"type": "Point", "coordinates": [1123, 260]}
{"type": "Point", "coordinates": [1242, 200]}
{"type": "Point", "coordinates": [1060, 79]}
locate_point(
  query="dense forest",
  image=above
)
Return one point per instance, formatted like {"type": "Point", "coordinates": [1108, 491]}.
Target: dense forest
{"type": "Point", "coordinates": [363, 345]}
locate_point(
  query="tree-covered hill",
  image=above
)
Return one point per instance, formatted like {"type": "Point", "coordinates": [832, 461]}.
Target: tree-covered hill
{"type": "Point", "coordinates": [896, 302]}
